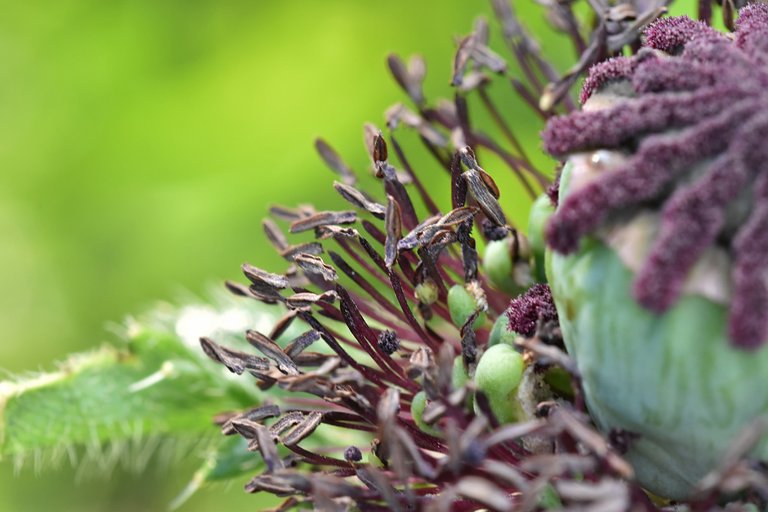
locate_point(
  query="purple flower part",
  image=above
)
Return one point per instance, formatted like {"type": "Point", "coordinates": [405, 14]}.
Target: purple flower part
{"type": "Point", "coordinates": [553, 191]}
{"type": "Point", "coordinates": [748, 324]}
{"type": "Point", "coordinates": [670, 35]}
{"type": "Point", "coordinates": [660, 160]}
{"type": "Point", "coordinates": [600, 74]}
{"type": "Point", "coordinates": [629, 120]}
{"type": "Point", "coordinates": [527, 310]}
{"type": "Point", "coordinates": [380, 354]}
{"type": "Point", "coordinates": [752, 18]}
{"type": "Point", "coordinates": [690, 223]}
{"type": "Point", "coordinates": [752, 31]}
{"type": "Point", "coordinates": [662, 75]}
{"type": "Point", "coordinates": [696, 125]}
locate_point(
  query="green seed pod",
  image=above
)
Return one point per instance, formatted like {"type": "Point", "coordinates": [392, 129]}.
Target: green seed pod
{"type": "Point", "coordinates": [418, 405]}
{"type": "Point", "coordinates": [541, 210]}
{"type": "Point", "coordinates": [498, 375]}
{"type": "Point", "coordinates": [674, 378]}
{"type": "Point", "coordinates": [461, 305]}
{"type": "Point", "coordinates": [659, 245]}
{"type": "Point", "coordinates": [500, 332]}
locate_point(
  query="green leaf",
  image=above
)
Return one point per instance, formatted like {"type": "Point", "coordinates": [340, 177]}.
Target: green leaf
{"type": "Point", "coordinates": [122, 401]}
{"type": "Point", "coordinates": [105, 395]}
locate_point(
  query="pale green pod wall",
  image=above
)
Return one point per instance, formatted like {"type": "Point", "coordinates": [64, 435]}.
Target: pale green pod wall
{"type": "Point", "coordinates": [674, 378]}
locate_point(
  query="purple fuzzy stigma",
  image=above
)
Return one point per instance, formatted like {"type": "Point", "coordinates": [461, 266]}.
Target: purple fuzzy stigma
{"type": "Point", "coordinates": [527, 310]}
{"type": "Point", "coordinates": [692, 111]}
{"type": "Point", "coordinates": [670, 35]}
{"type": "Point", "coordinates": [751, 35]}
{"type": "Point", "coordinates": [602, 73]}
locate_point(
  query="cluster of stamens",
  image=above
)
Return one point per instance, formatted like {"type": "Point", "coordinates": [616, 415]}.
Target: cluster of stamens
{"type": "Point", "coordinates": [386, 360]}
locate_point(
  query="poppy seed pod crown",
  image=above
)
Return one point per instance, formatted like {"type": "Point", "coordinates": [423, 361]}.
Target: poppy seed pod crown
{"type": "Point", "coordinates": [659, 244]}
{"type": "Point", "coordinates": [691, 112]}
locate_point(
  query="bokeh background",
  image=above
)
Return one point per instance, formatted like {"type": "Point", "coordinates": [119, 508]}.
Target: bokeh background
{"type": "Point", "coordinates": [140, 144]}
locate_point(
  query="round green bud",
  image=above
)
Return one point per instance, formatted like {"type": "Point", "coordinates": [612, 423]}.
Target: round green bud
{"type": "Point", "coordinates": [541, 210]}
{"type": "Point", "coordinates": [500, 332]}
{"type": "Point", "coordinates": [498, 375]}
{"type": "Point", "coordinates": [498, 266]}
{"type": "Point", "coordinates": [418, 405]}
{"type": "Point", "coordinates": [426, 292]}
{"type": "Point", "coordinates": [461, 305]}
{"type": "Point", "coordinates": [506, 263]}
{"type": "Point", "coordinates": [459, 378]}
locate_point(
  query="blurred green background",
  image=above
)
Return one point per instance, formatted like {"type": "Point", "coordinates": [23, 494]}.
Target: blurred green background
{"type": "Point", "coordinates": [140, 144]}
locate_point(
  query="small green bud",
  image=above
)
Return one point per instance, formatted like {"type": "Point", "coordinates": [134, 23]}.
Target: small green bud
{"type": "Point", "coordinates": [506, 264]}
{"type": "Point", "coordinates": [459, 378]}
{"type": "Point", "coordinates": [459, 375]}
{"type": "Point", "coordinates": [418, 405]}
{"type": "Point", "coordinates": [461, 305]}
{"type": "Point", "coordinates": [497, 265]}
{"type": "Point", "coordinates": [498, 375]}
{"type": "Point", "coordinates": [541, 210]}
{"type": "Point", "coordinates": [500, 332]}
{"type": "Point", "coordinates": [426, 292]}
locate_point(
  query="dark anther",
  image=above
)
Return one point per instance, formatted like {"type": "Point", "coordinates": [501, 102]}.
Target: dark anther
{"type": "Point", "coordinates": [468, 250]}
{"type": "Point", "coordinates": [353, 454]}
{"type": "Point", "coordinates": [469, 341]}
{"type": "Point", "coordinates": [493, 232]}
{"type": "Point", "coordinates": [388, 342]}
